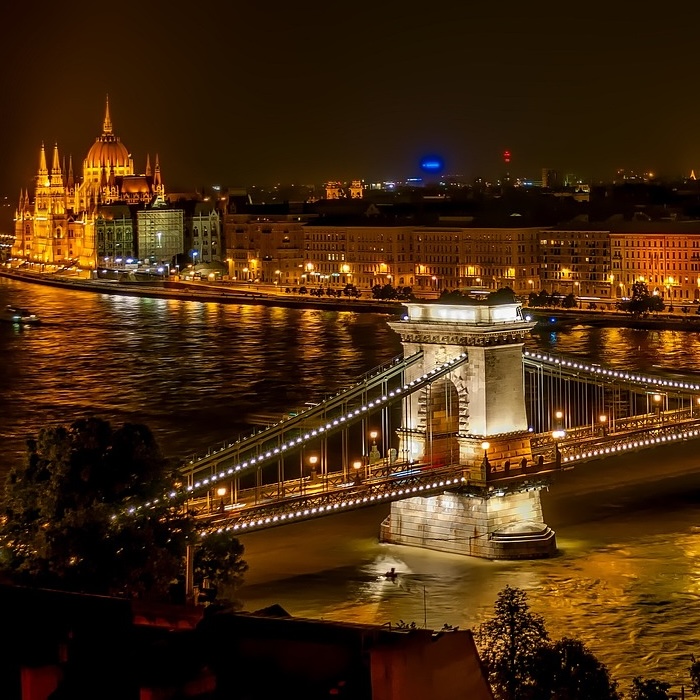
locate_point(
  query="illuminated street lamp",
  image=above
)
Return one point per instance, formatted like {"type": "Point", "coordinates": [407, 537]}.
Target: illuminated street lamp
{"type": "Point", "coordinates": [357, 469]}
{"type": "Point", "coordinates": [374, 455]}
{"type": "Point", "coordinates": [221, 492]}
{"type": "Point", "coordinates": [485, 464]}
{"type": "Point", "coordinates": [558, 416]}
{"type": "Point", "coordinates": [313, 461]}
{"type": "Point", "coordinates": [557, 435]}
{"type": "Point", "coordinates": [603, 419]}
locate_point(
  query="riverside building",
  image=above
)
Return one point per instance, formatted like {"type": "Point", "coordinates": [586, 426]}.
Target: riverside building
{"type": "Point", "coordinates": [66, 221]}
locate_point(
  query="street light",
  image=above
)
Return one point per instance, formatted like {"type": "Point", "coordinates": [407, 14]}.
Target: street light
{"type": "Point", "coordinates": [558, 416]}
{"type": "Point", "coordinates": [657, 406]}
{"type": "Point", "coordinates": [485, 464]}
{"type": "Point", "coordinates": [374, 455]}
{"type": "Point", "coordinates": [556, 436]}
{"type": "Point", "coordinates": [603, 423]}
{"type": "Point", "coordinates": [221, 492]}
{"type": "Point", "coordinates": [357, 468]}
{"type": "Point", "coordinates": [313, 461]}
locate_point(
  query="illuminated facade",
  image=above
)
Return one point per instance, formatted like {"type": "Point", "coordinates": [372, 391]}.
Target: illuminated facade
{"type": "Point", "coordinates": [606, 261]}
{"type": "Point", "coordinates": [665, 256]}
{"type": "Point", "coordinates": [60, 226]}
{"type": "Point", "coordinates": [576, 262]}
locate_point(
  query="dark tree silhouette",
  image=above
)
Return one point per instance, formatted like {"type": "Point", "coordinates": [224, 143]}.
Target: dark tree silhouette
{"type": "Point", "coordinates": [67, 523]}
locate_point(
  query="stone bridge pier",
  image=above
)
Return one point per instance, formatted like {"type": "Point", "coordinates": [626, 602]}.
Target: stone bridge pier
{"type": "Point", "coordinates": [474, 417]}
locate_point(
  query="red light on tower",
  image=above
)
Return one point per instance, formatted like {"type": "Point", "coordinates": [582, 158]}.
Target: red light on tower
{"type": "Point", "coordinates": [506, 156]}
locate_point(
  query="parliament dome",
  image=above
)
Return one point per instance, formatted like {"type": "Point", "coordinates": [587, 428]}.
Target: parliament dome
{"type": "Point", "coordinates": [107, 154]}
{"type": "Point", "coordinates": [107, 150]}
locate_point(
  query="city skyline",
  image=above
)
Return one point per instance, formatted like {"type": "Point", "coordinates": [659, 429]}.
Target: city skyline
{"type": "Point", "coordinates": [329, 93]}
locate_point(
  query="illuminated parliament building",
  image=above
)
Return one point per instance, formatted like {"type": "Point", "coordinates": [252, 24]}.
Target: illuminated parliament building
{"type": "Point", "coordinates": [78, 220]}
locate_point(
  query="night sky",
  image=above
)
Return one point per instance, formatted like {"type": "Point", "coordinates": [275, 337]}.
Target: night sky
{"type": "Point", "coordinates": [235, 93]}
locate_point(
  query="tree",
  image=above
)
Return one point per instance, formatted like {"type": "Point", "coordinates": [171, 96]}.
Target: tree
{"type": "Point", "coordinates": [542, 299]}
{"type": "Point", "coordinates": [505, 295]}
{"type": "Point", "coordinates": [649, 689]}
{"type": "Point", "coordinates": [509, 644]}
{"type": "Point", "coordinates": [569, 302]}
{"type": "Point", "coordinates": [567, 670]}
{"type": "Point", "coordinates": [66, 521]}
{"type": "Point", "coordinates": [641, 301]}
{"type": "Point", "coordinates": [694, 671]}
{"type": "Point", "coordinates": [383, 291]}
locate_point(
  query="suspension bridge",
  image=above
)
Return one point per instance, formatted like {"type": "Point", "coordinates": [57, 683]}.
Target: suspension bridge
{"type": "Point", "coordinates": [459, 434]}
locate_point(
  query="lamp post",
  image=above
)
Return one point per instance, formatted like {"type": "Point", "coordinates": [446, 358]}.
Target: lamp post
{"type": "Point", "coordinates": [374, 455]}
{"type": "Point", "coordinates": [603, 419]}
{"type": "Point", "coordinates": [357, 469]}
{"type": "Point", "coordinates": [221, 492]}
{"type": "Point", "coordinates": [657, 407]}
{"type": "Point", "coordinates": [485, 464]}
{"type": "Point", "coordinates": [313, 461]}
{"type": "Point", "coordinates": [556, 436]}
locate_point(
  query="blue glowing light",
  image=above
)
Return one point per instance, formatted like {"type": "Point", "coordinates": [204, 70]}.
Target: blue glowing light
{"type": "Point", "coordinates": [432, 164]}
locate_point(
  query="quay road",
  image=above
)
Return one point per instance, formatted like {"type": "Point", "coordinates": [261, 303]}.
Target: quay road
{"type": "Point", "coordinates": [218, 292]}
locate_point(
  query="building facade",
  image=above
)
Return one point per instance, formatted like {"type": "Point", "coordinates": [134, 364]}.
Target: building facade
{"type": "Point", "coordinates": [59, 226]}
{"type": "Point", "coordinates": [160, 233]}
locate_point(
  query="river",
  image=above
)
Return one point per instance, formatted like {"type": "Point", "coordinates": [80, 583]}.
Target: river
{"type": "Point", "coordinates": [627, 579]}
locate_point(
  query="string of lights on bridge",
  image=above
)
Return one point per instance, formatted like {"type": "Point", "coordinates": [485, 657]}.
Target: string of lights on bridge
{"type": "Point", "coordinates": [322, 430]}
{"type": "Point", "coordinates": [607, 372]}
{"type": "Point", "coordinates": [337, 506]}
{"type": "Point", "coordinates": [632, 445]}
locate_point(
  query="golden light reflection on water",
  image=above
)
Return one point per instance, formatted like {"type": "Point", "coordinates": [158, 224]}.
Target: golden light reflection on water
{"type": "Point", "coordinates": [627, 581]}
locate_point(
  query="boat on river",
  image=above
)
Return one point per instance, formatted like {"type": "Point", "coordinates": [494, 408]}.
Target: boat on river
{"type": "Point", "coordinates": [14, 314]}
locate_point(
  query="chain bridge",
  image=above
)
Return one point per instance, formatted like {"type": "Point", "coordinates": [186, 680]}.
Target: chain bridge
{"type": "Point", "coordinates": [459, 434]}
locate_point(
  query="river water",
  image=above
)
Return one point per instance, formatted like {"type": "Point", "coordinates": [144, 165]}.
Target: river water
{"type": "Point", "coordinates": [626, 582]}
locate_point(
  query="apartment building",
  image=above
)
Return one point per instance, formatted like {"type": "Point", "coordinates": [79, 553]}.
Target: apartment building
{"type": "Point", "coordinates": [664, 255]}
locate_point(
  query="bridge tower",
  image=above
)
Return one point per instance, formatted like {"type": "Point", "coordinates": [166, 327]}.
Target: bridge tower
{"type": "Point", "coordinates": [474, 417]}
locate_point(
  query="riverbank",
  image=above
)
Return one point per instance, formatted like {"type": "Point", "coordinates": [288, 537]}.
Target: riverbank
{"type": "Point", "coordinates": [223, 293]}
{"type": "Point", "coordinates": [205, 292]}
{"type": "Point", "coordinates": [558, 319]}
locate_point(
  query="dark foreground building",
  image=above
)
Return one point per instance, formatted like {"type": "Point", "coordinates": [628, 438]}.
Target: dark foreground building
{"type": "Point", "coordinates": [60, 646]}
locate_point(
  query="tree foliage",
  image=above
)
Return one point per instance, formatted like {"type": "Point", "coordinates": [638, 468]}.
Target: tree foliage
{"type": "Point", "coordinates": [510, 642]}
{"type": "Point", "coordinates": [568, 670]}
{"type": "Point", "coordinates": [523, 664]}
{"type": "Point", "coordinates": [694, 671]}
{"type": "Point", "coordinates": [65, 521]}
{"type": "Point", "coordinates": [388, 291]}
{"type": "Point", "coordinates": [641, 301]}
{"type": "Point", "coordinates": [569, 301]}
{"type": "Point", "coordinates": [649, 689]}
